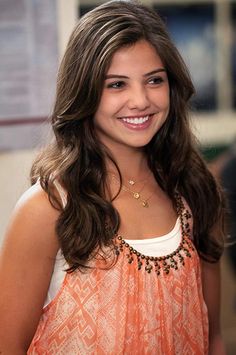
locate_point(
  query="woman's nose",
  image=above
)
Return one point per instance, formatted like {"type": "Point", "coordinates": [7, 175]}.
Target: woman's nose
{"type": "Point", "coordinates": [138, 98]}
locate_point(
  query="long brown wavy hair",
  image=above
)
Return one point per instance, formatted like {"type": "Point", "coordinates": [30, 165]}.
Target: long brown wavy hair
{"type": "Point", "coordinates": [76, 158]}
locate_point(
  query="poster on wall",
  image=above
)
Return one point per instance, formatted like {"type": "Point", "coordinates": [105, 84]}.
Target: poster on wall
{"type": "Point", "coordinates": [28, 66]}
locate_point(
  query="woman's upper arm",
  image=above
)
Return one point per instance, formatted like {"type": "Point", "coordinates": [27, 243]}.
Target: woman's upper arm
{"type": "Point", "coordinates": [26, 264]}
{"type": "Point", "coordinates": [211, 291]}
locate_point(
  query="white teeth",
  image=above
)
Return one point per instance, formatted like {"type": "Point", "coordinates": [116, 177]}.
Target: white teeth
{"type": "Point", "coordinates": [136, 120]}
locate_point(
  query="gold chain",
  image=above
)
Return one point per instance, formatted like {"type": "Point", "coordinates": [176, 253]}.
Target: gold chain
{"type": "Point", "coordinates": [133, 182]}
{"type": "Point", "coordinates": [136, 194]}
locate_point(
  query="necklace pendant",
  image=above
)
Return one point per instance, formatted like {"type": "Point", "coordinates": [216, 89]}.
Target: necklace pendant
{"type": "Point", "coordinates": [136, 195]}
{"type": "Point", "coordinates": [131, 182]}
{"type": "Point", "coordinates": [145, 204]}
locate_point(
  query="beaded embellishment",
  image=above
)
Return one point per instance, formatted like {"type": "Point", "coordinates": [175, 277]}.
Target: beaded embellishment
{"type": "Point", "coordinates": [163, 263]}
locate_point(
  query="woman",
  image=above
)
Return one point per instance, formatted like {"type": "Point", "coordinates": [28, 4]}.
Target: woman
{"type": "Point", "coordinates": [122, 201]}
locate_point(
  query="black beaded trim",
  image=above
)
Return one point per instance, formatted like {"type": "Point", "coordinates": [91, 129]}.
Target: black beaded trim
{"type": "Point", "coordinates": [167, 262]}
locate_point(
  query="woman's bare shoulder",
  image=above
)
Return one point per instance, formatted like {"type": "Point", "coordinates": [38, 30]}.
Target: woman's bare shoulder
{"type": "Point", "coordinates": [33, 220]}
{"type": "Point", "coordinates": [36, 201]}
{"type": "Point", "coordinates": [27, 259]}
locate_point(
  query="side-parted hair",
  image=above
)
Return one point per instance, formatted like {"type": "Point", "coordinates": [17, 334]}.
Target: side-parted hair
{"type": "Point", "coordinates": [76, 158]}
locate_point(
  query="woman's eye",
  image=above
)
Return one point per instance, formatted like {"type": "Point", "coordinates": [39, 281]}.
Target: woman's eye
{"type": "Point", "coordinates": [116, 85]}
{"type": "Point", "coordinates": [156, 80]}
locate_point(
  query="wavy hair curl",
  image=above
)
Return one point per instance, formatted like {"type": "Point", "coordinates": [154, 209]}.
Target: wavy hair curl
{"type": "Point", "coordinates": [76, 158]}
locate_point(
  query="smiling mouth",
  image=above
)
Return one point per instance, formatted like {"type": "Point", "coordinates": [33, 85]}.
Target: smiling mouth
{"type": "Point", "coordinates": [136, 120]}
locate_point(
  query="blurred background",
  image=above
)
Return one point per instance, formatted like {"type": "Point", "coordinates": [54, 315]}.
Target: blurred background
{"type": "Point", "coordinates": [33, 35]}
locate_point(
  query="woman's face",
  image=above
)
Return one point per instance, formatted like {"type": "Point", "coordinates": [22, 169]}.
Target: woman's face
{"type": "Point", "coordinates": [135, 98]}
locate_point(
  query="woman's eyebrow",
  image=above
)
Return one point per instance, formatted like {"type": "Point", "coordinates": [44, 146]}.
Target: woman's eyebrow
{"type": "Point", "coordinates": [159, 70]}
{"type": "Point", "coordinates": [112, 76]}
{"type": "Point", "coordinates": [117, 76]}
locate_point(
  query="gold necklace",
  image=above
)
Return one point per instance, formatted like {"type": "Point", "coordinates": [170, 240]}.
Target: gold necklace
{"type": "Point", "coordinates": [133, 182]}
{"type": "Point", "coordinates": [136, 194]}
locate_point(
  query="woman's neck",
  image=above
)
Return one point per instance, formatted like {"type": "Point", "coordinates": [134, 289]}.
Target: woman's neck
{"type": "Point", "coordinates": [131, 163]}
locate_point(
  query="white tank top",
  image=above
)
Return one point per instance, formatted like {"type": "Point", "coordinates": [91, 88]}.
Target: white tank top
{"type": "Point", "coordinates": [157, 246]}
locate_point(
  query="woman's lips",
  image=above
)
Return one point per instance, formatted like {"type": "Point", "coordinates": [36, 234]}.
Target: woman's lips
{"type": "Point", "coordinates": [137, 123]}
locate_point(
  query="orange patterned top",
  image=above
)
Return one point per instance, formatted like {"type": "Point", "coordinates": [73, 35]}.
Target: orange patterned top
{"type": "Point", "coordinates": [127, 309]}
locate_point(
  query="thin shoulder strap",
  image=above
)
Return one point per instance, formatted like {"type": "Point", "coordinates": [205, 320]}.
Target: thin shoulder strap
{"type": "Point", "coordinates": [62, 193]}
